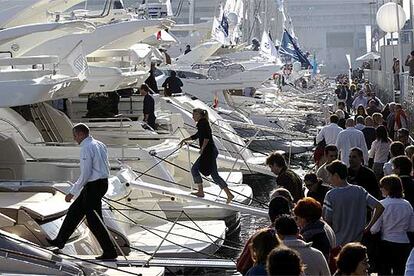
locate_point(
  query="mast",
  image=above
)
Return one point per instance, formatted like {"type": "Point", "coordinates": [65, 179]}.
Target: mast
{"type": "Point", "coordinates": [191, 12]}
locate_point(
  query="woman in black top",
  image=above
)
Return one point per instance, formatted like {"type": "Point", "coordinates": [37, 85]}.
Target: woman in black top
{"type": "Point", "coordinates": [149, 106]}
{"type": "Point", "coordinates": [206, 163]}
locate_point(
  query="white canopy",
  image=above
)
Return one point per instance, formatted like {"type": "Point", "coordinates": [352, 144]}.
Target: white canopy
{"type": "Point", "coordinates": [369, 56]}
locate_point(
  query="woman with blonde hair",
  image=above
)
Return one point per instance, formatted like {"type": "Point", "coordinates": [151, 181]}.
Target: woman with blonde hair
{"type": "Point", "coordinates": [206, 162]}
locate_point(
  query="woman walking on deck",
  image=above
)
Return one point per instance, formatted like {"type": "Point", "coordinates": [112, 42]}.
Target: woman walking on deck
{"type": "Point", "coordinates": [206, 163]}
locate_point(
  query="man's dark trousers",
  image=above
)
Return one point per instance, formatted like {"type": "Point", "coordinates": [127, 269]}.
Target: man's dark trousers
{"type": "Point", "coordinates": [87, 202]}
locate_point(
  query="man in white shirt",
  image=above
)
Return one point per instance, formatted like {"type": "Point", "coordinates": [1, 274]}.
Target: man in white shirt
{"type": "Point", "coordinates": [90, 187]}
{"type": "Point", "coordinates": [351, 138]}
{"type": "Point", "coordinates": [329, 132]}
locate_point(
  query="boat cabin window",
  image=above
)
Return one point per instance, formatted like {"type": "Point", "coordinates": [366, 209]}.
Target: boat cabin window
{"type": "Point", "coordinates": [190, 75]}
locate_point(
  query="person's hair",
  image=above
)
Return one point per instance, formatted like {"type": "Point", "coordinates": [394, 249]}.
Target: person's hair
{"type": "Point", "coordinates": [369, 121]}
{"type": "Point", "coordinates": [403, 131]}
{"type": "Point", "coordinates": [203, 113]}
{"type": "Point", "coordinates": [275, 158]}
{"type": "Point", "coordinates": [409, 151]}
{"type": "Point", "coordinates": [392, 184]}
{"type": "Point", "coordinates": [262, 243]}
{"type": "Point", "coordinates": [381, 134]}
{"type": "Point", "coordinates": [334, 119]}
{"type": "Point", "coordinates": [284, 261]}
{"type": "Point", "coordinates": [337, 167]}
{"type": "Point", "coordinates": [312, 177]}
{"type": "Point", "coordinates": [340, 113]}
{"type": "Point", "coordinates": [309, 209]}
{"type": "Point", "coordinates": [349, 257]}
{"type": "Point", "coordinates": [173, 73]}
{"type": "Point", "coordinates": [377, 115]}
{"type": "Point", "coordinates": [358, 151]}
{"type": "Point", "coordinates": [360, 120]}
{"type": "Point", "coordinates": [359, 108]}
{"type": "Point", "coordinates": [286, 225]}
{"type": "Point", "coordinates": [187, 46]}
{"type": "Point", "coordinates": [372, 101]}
{"type": "Point", "coordinates": [144, 87]}
{"type": "Point", "coordinates": [350, 122]}
{"type": "Point", "coordinates": [404, 164]}
{"type": "Point", "coordinates": [278, 206]}
{"type": "Point", "coordinates": [283, 192]}
{"type": "Point", "coordinates": [329, 148]}
{"type": "Point", "coordinates": [412, 53]}
{"type": "Point", "coordinates": [81, 128]}
{"type": "Point", "coordinates": [397, 148]}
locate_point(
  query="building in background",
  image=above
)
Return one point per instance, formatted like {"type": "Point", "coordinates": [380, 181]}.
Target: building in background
{"type": "Point", "coordinates": [331, 29]}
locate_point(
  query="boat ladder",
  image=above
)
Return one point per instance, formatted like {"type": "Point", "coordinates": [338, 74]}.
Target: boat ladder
{"type": "Point", "coordinates": [45, 123]}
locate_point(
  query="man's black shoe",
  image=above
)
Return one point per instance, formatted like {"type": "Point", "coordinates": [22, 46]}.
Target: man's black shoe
{"type": "Point", "coordinates": [107, 256]}
{"type": "Point", "coordinates": [55, 243]}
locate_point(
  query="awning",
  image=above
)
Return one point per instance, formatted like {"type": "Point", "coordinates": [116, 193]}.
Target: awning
{"type": "Point", "coordinates": [369, 56]}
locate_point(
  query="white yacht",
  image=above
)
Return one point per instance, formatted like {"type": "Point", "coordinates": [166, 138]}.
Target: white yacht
{"type": "Point", "coordinates": [148, 168]}
{"type": "Point", "coordinates": [132, 229]}
{"type": "Point", "coordinates": [22, 257]}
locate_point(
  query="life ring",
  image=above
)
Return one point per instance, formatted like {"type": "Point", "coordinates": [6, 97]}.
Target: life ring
{"type": "Point", "coordinates": [275, 76]}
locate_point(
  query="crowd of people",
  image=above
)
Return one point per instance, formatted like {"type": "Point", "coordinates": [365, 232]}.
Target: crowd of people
{"type": "Point", "coordinates": [353, 214]}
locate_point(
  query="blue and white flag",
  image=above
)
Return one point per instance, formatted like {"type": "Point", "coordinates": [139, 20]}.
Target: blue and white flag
{"type": "Point", "coordinates": [224, 23]}
{"type": "Point", "coordinates": [217, 32]}
{"type": "Point", "coordinates": [290, 50]}
{"type": "Point", "coordinates": [220, 30]}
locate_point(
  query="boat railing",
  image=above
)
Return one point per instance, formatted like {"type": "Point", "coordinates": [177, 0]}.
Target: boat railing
{"type": "Point", "coordinates": [39, 261]}
{"type": "Point", "coordinates": [34, 143]}
{"type": "Point", "coordinates": [121, 118]}
{"type": "Point", "coordinates": [32, 62]}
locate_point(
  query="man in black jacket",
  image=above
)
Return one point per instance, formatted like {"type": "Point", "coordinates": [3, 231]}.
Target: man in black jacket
{"type": "Point", "coordinates": [361, 175]}
{"type": "Point", "coordinates": [172, 84]}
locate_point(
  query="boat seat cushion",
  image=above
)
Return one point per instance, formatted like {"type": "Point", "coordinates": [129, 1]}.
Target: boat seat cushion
{"type": "Point", "coordinates": [41, 206]}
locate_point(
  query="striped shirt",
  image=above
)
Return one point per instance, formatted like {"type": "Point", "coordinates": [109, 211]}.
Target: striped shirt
{"type": "Point", "coordinates": [345, 209]}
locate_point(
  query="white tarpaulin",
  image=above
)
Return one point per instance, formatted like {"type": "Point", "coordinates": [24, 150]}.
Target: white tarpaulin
{"type": "Point", "coordinates": [369, 56]}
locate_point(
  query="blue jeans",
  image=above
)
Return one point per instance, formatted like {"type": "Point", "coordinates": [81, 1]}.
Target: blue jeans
{"type": "Point", "coordinates": [195, 171]}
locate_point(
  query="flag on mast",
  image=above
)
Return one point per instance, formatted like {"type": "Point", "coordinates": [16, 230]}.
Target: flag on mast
{"type": "Point", "coordinates": [267, 47]}
{"type": "Point", "coordinates": [220, 30]}
{"type": "Point", "coordinates": [290, 50]}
